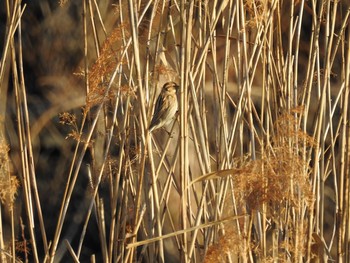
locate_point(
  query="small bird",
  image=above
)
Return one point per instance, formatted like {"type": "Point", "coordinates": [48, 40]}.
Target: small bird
{"type": "Point", "coordinates": [166, 106]}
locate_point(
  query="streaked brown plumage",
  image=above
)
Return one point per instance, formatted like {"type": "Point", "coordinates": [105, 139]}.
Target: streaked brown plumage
{"type": "Point", "coordinates": [166, 106]}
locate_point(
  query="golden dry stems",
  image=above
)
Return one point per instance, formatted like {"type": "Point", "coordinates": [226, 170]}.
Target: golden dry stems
{"type": "Point", "coordinates": [288, 133]}
{"type": "Point", "coordinates": [276, 181]}
{"type": "Point", "coordinates": [267, 180]}
{"type": "Point", "coordinates": [109, 56]}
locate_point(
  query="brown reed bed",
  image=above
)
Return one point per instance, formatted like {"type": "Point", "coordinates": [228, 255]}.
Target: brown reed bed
{"type": "Point", "coordinates": [254, 167]}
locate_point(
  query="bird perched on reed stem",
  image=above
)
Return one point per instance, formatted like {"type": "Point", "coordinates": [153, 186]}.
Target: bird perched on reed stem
{"type": "Point", "coordinates": [166, 106]}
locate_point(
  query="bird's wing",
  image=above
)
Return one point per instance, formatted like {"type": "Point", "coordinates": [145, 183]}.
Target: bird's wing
{"type": "Point", "coordinates": [159, 109]}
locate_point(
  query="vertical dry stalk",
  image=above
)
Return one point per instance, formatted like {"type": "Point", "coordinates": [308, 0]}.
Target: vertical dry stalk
{"type": "Point", "coordinates": [261, 136]}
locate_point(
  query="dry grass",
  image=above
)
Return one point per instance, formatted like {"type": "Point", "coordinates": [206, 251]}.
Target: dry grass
{"type": "Point", "coordinates": [255, 168]}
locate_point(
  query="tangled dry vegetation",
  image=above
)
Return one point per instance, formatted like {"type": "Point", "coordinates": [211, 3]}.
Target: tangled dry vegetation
{"type": "Point", "coordinates": [255, 167]}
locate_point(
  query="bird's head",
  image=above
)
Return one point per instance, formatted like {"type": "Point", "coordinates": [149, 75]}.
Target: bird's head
{"type": "Point", "coordinates": [171, 87]}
